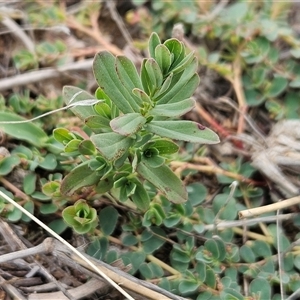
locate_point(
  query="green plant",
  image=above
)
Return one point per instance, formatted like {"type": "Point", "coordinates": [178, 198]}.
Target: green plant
{"type": "Point", "coordinates": [81, 217]}
{"type": "Point", "coordinates": [110, 178]}
{"type": "Point", "coordinates": [133, 122]}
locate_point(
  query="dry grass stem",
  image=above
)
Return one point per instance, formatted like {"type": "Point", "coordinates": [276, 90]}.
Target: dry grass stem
{"type": "Point", "coordinates": [44, 74]}
{"type": "Point", "coordinates": [248, 213]}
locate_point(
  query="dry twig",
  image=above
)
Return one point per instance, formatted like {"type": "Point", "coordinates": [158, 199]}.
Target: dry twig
{"type": "Point", "coordinates": [44, 74]}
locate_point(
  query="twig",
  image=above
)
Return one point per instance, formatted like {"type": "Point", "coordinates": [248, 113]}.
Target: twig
{"type": "Point", "coordinates": [19, 33]}
{"type": "Point", "coordinates": [238, 88]}
{"type": "Point", "coordinates": [248, 222]}
{"type": "Point", "coordinates": [116, 17]}
{"type": "Point", "coordinates": [208, 118]}
{"type": "Point", "coordinates": [11, 289]}
{"type": "Point", "coordinates": [37, 76]}
{"type": "Point", "coordinates": [295, 295]}
{"type": "Point", "coordinates": [280, 258]}
{"type": "Point", "coordinates": [58, 237]}
{"type": "Point", "coordinates": [215, 125]}
{"type": "Point", "coordinates": [15, 242]}
{"type": "Point", "coordinates": [253, 235]}
{"type": "Point", "coordinates": [79, 292]}
{"type": "Point", "coordinates": [233, 186]}
{"type": "Point", "coordinates": [214, 169]}
{"type": "Point", "coordinates": [96, 35]}
{"type": "Point", "coordinates": [247, 213]}
{"type": "Point", "coordinates": [13, 188]}
{"type": "Point", "coordinates": [45, 247]}
{"type": "Point", "coordinates": [247, 118]}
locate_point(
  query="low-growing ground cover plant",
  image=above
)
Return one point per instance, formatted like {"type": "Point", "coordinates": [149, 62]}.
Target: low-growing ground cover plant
{"type": "Point", "coordinates": [132, 175]}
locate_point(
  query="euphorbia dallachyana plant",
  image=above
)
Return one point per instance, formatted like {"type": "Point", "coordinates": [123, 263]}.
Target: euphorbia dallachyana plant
{"type": "Point", "coordinates": [134, 124]}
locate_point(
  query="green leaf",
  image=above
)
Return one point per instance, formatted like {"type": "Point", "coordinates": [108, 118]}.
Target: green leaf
{"type": "Point", "coordinates": [183, 130]}
{"type": "Point", "coordinates": [210, 279]}
{"type": "Point", "coordinates": [182, 86]}
{"type": "Point", "coordinates": [156, 269]}
{"type": "Point", "coordinates": [112, 145]}
{"type": "Point", "coordinates": [154, 41]}
{"type": "Point", "coordinates": [28, 132]}
{"type": "Point", "coordinates": [151, 158]}
{"type": "Point", "coordinates": [58, 225]}
{"type": "Point", "coordinates": [146, 271]}
{"type": "Point", "coordinates": [201, 270]}
{"type": "Point", "coordinates": [98, 248]}
{"type": "Point", "coordinates": [165, 86]}
{"type": "Point", "coordinates": [231, 294]}
{"type": "Point", "coordinates": [7, 164]}
{"type": "Point", "coordinates": [128, 124]}
{"type": "Point", "coordinates": [72, 94]}
{"type": "Point", "coordinates": [129, 240]}
{"type": "Point", "coordinates": [261, 249]}
{"type": "Point", "coordinates": [228, 208]}
{"type": "Point", "coordinates": [185, 63]}
{"type": "Point", "coordinates": [176, 109]}
{"type": "Point", "coordinates": [72, 146]}
{"type": "Point", "coordinates": [50, 188]}
{"type": "Point", "coordinates": [86, 147]}
{"type": "Point", "coordinates": [29, 183]}
{"type": "Point", "coordinates": [96, 123]}
{"type": "Point", "coordinates": [104, 185]}
{"type": "Point", "coordinates": [221, 248]}
{"type": "Point", "coordinates": [140, 197]}
{"type": "Point", "coordinates": [154, 74]}
{"type": "Point", "coordinates": [187, 286]}
{"type": "Point", "coordinates": [163, 58]}
{"type": "Point", "coordinates": [146, 82]}
{"type": "Point", "coordinates": [40, 196]}
{"type": "Point", "coordinates": [197, 193]}
{"type": "Point", "coordinates": [134, 258]}
{"type": "Point", "coordinates": [48, 162]}
{"type": "Point", "coordinates": [212, 247]}
{"type": "Point", "coordinates": [109, 81]}
{"type": "Point", "coordinates": [205, 296]}
{"type": "Point", "coordinates": [142, 95]}
{"type": "Point", "coordinates": [29, 206]}
{"type": "Point", "coordinates": [14, 216]}
{"type": "Point", "coordinates": [81, 217]}
{"type": "Point", "coordinates": [102, 109]}
{"type": "Point", "coordinates": [176, 48]}
{"type": "Point", "coordinates": [180, 256]}
{"type": "Point", "coordinates": [297, 261]}
{"type": "Point", "coordinates": [155, 241]}
{"type": "Point", "coordinates": [172, 220]}
{"type": "Point", "coordinates": [254, 98]}
{"type": "Point", "coordinates": [278, 85]}
{"type": "Point", "coordinates": [165, 146]}
{"type": "Point", "coordinates": [48, 208]}
{"type": "Point", "coordinates": [165, 180]}
{"type": "Point", "coordinates": [128, 74]}
{"type": "Point", "coordinates": [256, 50]}
{"type": "Point", "coordinates": [62, 135]}
{"type": "Point", "coordinates": [247, 254]}
{"type": "Point", "coordinates": [108, 218]}
{"type": "Point", "coordinates": [79, 177]}
{"type": "Point", "coordinates": [261, 287]}
{"type": "Point", "coordinates": [23, 152]}
{"type": "Point", "coordinates": [284, 242]}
